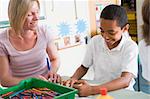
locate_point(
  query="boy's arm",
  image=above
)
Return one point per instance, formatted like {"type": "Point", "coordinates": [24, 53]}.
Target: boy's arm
{"type": "Point", "coordinates": [80, 72]}
{"type": "Point", "coordinates": [119, 83]}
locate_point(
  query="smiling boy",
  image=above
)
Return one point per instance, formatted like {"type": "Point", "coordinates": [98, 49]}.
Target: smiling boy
{"type": "Point", "coordinates": [113, 55]}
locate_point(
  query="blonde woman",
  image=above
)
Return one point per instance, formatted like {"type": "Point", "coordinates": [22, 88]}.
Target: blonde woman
{"type": "Point", "coordinates": [25, 46]}
{"type": "Point", "coordinates": [144, 46]}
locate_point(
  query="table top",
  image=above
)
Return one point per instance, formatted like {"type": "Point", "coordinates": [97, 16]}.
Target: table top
{"type": "Point", "coordinates": [118, 94]}
{"type": "Point", "coordinates": [122, 94]}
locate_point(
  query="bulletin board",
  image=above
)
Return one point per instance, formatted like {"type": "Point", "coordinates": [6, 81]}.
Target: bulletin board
{"type": "Point", "coordinates": [69, 20]}
{"type": "Point", "coordinates": [4, 21]}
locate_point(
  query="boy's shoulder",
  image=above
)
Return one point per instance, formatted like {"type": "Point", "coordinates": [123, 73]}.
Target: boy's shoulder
{"type": "Point", "coordinates": [97, 37]}
{"type": "Point", "coordinates": [130, 44]}
{"type": "Point", "coordinates": [130, 41]}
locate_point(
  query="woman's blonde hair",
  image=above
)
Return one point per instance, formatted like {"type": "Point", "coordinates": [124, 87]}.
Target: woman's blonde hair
{"type": "Point", "coordinates": [146, 20]}
{"type": "Point", "coordinates": [17, 12]}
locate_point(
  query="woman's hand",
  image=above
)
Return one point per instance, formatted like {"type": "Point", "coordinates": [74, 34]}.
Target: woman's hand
{"type": "Point", "coordinates": [53, 77]}
{"type": "Point", "coordinates": [40, 77]}
{"type": "Point", "coordinates": [70, 82]}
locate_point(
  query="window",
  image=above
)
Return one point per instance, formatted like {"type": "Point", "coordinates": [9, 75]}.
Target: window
{"type": "Point", "coordinates": [4, 22]}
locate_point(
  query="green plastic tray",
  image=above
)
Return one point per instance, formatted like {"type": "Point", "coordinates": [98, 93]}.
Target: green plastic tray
{"type": "Point", "coordinates": [66, 92]}
{"type": "Point", "coordinates": [1, 89]}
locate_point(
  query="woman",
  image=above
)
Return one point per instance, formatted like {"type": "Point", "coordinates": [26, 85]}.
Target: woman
{"type": "Point", "coordinates": [25, 46]}
{"type": "Point", "coordinates": [144, 46]}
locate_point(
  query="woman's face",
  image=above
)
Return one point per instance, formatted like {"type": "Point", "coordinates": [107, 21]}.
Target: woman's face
{"type": "Point", "coordinates": [32, 18]}
{"type": "Point", "coordinates": [111, 32]}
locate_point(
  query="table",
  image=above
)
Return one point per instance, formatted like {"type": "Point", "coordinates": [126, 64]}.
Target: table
{"type": "Point", "coordinates": [119, 94]}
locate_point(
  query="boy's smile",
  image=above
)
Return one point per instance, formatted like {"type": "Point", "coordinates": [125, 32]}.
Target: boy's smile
{"type": "Point", "coordinates": [111, 32]}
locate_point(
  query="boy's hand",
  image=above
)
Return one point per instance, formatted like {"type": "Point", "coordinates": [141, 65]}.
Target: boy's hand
{"type": "Point", "coordinates": [83, 87]}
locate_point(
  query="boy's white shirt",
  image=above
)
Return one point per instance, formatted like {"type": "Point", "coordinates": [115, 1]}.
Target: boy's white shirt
{"type": "Point", "coordinates": [109, 64]}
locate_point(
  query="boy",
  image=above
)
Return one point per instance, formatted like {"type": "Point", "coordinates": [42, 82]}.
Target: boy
{"type": "Point", "coordinates": [113, 55]}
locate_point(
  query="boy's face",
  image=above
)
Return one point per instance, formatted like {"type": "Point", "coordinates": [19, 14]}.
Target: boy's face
{"type": "Point", "coordinates": [111, 32]}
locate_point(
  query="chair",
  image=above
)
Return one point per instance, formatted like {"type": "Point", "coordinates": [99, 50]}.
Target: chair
{"type": "Point", "coordinates": [137, 84]}
{"type": "Point", "coordinates": [141, 83]}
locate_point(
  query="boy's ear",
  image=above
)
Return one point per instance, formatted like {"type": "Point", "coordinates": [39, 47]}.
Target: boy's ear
{"type": "Point", "coordinates": [126, 27]}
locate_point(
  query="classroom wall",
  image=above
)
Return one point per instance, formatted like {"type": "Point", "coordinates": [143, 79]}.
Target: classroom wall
{"type": "Point", "coordinates": [67, 12]}
{"type": "Point", "coordinates": [67, 19]}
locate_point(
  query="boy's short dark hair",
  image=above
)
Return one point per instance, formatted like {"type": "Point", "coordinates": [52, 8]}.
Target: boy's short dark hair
{"type": "Point", "coordinates": [115, 12]}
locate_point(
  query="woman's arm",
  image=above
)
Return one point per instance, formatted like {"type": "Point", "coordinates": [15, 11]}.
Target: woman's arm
{"type": "Point", "coordinates": [5, 74]}
{"type": "Point", "coordinates": [53, 56]}
{"type": "Point", "coordinates": [6, 78]}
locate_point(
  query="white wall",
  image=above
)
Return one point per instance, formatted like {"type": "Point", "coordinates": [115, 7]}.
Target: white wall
{"type": "Point", "coordinates": [68, 12]}
{"type": "Point", "coordinates": [71, 59]}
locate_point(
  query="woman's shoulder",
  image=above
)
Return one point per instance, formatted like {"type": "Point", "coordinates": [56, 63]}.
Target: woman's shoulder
{"type": "Point", "coordinates": [3, 34]}
{"type": "Point", "coordinates": [46, 31]}
{"type": "Point", "coordinates": [44, 27]}
{"type": "Point", "coordinates": [142, 44]}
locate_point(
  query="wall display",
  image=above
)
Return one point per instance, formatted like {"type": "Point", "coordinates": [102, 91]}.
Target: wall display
{"type": "Point", "coordinates": [70, 21]}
